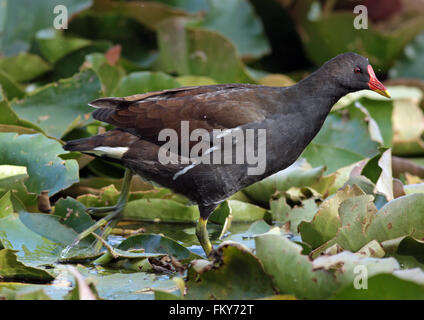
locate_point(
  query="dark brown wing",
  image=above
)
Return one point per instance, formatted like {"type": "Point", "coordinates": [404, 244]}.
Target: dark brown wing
{"type": "Point", "coordinates": [206, 107]}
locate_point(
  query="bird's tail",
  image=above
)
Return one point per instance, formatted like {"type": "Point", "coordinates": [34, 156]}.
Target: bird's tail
{"type": "Point", "coordinates": [112, 144]}
{"type": "Point", "coordinates": [85, 144]}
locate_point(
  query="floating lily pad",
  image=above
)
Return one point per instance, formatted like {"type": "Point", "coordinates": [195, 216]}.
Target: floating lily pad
{"type": "Point", "coordinates": [132, 286]}
{"type": "Point", "coordinates": [362, 223]}
{"type": "Point", "coordinates": [199, 52]}
{"type": "Point", "coordinates": [293, 217]}
{"type": "Point", "coordinates": [408, 119]}
{"type": "Point", "coordinates": [294, 176]}
{"type": "Point", "coordinates": [341, 142]}
{"type": "Point", "coordinates": [294, 273]}
{"type": "Point", "coordinates": [12, 180]}
{"type": "Point", "coordinates": [154, 243]}
{"type": "Point", "coordinates": [138, 43]}
{"type": "Point", "coordinates": [244, 29]}
{"type": "Point", "coordinates": [326, 222]}
{"type": "Point", "coordinates": [109, 75]}
{"type": "Point", "coordinates": [144, 81]}
{"type": "Point", "coordinates": [11, 89]}
{"type": "Point", "coordinates": [24, 66]}
{"type": "Point", "coordinates": [149, 14]}
{"type": "Point", "coordinates": [40, 155]}
{"type": "Point", "coordinates": [12, 269]}
{"type": "Point", "coordinates": [54, 45]}
{"type": "Point", "coordinates": [58, 108]}
{"type": "Point", "coordinates": [409, 66]}
{"type": "Point", "coordinates": [382, 47]}
{"type": "Point", "coordinates": [72, 214]}
{"type": "Point", "coordinates": [222, 279]}
{"type": "Point", "coordinates": [19, 27]}
{"type": "Point", "coordinates": [394, 289]}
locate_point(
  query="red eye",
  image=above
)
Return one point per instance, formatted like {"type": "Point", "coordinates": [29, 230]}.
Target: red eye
{"type": "Point", "coordinates": [357, 70]}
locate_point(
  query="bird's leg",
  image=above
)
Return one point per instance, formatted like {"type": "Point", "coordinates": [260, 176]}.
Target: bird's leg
{"type": "Point", "coordinates": [202, 235]}
{"type": "Point", "coordinates": [112, 218]}
{"type": "Point", "coordinates": [122, 198]}
{"type": "Point", "coordinates": [201, 230]}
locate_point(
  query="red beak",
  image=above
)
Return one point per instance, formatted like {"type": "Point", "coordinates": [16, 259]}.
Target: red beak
{"type": "Point", "coordinates": [375, 84]}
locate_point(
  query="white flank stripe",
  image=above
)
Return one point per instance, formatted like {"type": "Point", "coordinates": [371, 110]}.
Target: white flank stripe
{"type": "Point", "coordinates": [182, 171]}
{"type": "Point", "coordinates": [113, 152]}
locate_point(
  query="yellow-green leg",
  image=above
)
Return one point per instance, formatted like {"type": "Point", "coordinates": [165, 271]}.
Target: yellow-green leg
{"type": "Point", "coordinates": [202, 235]}
{"type": "Point", "coordinates": [111, 219]}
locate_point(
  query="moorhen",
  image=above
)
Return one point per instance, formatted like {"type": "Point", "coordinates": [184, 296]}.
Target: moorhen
{"type": "Point", "coordinates": [273, 124]}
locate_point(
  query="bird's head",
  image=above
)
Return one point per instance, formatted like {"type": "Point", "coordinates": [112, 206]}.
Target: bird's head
{"type": "Point", "coordinates": [355, 73]}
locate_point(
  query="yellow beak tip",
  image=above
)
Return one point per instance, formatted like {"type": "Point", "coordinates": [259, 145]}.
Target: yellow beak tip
{"type": "Point", "coordinates": [384, 93]}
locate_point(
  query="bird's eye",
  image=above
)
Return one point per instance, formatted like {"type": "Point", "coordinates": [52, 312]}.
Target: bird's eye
{"type": "Point", "coordinates": [357, 70]}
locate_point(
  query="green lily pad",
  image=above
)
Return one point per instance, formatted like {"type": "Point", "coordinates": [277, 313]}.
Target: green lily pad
{"type": "Point", "coordinates": [131, 286]}
{"type": "Point", "coordinates": [164, 295]}
{"type": "Point", "coordinates": [382, 47]}
{"type": "Point", "coordinates": [399, 217]}
{"type": "Point", "coordinates": [18, 27]}
{"type": "Point", "coordinates": [244, 29]}
{"type": "Point", "coordinates": [139, 48]}
{"type": "Point", "coordinates": [222, 278]}
{"type": "Point", "coordinates": [187, 81]}
{"type": "Point", "coordinates": [294, 273]}
{"type": "Point", "coordinates": [32, 249]}
{"type": "Point", "coordinates": [10, 88]}
{"type": "Point", "coordinates": [24, 66]}
{"type": "Point", "coordinates": [294, 176]}
{"type": "Point", "coordinates": [109, 75]}
{"type": "Point", "coordinates": [73, 62]}
{"type": "Point", "coordinates": [72, 214]}
{"type": "Point", "coordinates": [9, 119]}
{"type": "Point", "coordinates": [409, 246]}
{"type": "Point", "coordinates": [12, 179]}
{"type": "Point", "coordinates": [293, 217]}
{"type": "Point", "coordinates": [40, 156]}
{"type": "Point", "coordinates": [414, 188]}
{"type": "Point", "coordinates": [53, 45]}
{"type": "Point", "coordinates": [379, 170]}
{"type": "Point", "coordinates": [381, 112]}
{"type": "Point", "coordinates": [409, 66]}
{"type": "Point", "coordinates": [49, 227]}
{"type": "Point", "coordinates": [154, 243]}
{"type": "Point", "coordinates": [109, 195]}
{"type": "Point", "coordinates": [58, 108]}
{"type": "Point", "coordinates": [383, 287]}
{"type": "Point", "coordinates": [408, 127]}
{"type": "Point", "coordinates": [240, 212]}
{"type": "Point", "coordinates": [341, 142]}
{"type": "Point", "coordinates": [160, 210]}
{"type": "Point", "coordinates": [33, 294]}
{"type": "Point", "coordinates": [12, 269]}
{"type": "Point", "coordinates": [149, 14]}
{"type": "Point", "coordinates": [199, 52]}
{"type": "Point", "coordinates": [40, 239]}
{"type": "Point", "coordinates": [247, 238]}
{"type": "Point", "coordinates": [362, 223]}
{"type": "Point", "coordinates": [144, 81]}
{"type": "Point", "coordinates": [191, 6]}
{"type": "Point", "coordinates": [6, 205]}
{"type": "Point", "coordinates": [326, 222]}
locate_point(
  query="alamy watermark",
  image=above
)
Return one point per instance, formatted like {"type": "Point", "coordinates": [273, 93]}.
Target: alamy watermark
{"type": "Point", "coordinates": [220, 146]}
{"type": "Point", "coordinates": [361, 20]}
{"type": "Point", "coordinates": [61, 19]}
{"type": "Point", "coordinates": [360, 282]}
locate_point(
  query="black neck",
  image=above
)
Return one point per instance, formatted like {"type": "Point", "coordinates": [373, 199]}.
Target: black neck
{"type": "Point", "coordinates": [321, 91]}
